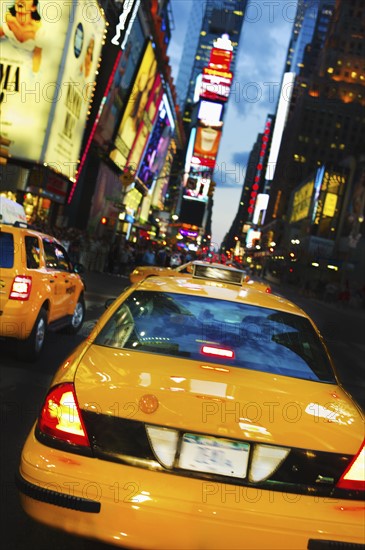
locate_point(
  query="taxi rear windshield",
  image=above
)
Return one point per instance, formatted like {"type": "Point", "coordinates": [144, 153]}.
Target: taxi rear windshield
{"type": "Point", "coordinates": [218, 331]}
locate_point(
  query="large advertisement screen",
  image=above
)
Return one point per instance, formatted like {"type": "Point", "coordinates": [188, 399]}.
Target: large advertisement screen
{"type": "Point", "coordinates": [156, 150]}
{"type": "Point", "coordinates": [198, 183]}
{"type": "Point", "coordinates": [118, 94]}
{"type": "Point", "coordinates": [214, 85]}
{"type": "Point", "coordinates": [302, 199]}
{"type": "Point", "coordinates": [148, 120]}
{"type": "Point", "coordinates": [77, 81]}
{"type": "Point", "coordinates": [49, 54]}
{"type": "Point", "coordinates": [207, 140]}
{"type": "Point", "coordinates": [32, 42]}
{"type": "Point", "coordinates": [144, 82]}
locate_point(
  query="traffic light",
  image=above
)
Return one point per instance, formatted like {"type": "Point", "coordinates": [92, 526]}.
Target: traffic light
{"type": "Point", "coordinates": [4, 151]}
{"type": "Point", "coordinates": [104, 221]}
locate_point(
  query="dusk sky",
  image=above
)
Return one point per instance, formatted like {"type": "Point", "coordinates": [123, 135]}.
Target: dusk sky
{"type": "Point", "coordinates": [263, 46]}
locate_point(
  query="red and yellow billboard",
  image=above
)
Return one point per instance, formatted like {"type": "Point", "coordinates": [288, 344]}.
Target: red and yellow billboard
{"type": "Point", "coordinates": [217, 77]}
{"type": "Point", "coordinates": [49, 57]}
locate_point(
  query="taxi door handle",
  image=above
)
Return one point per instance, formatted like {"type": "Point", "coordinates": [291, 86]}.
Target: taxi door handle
{"type": "Point", "coordinates": [51, 280]}
{"type": "Point", "coordinates": [66, 281]}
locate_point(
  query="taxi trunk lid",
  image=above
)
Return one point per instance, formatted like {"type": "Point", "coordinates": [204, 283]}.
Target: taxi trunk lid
{"type": "Point", "coordinates": [206, 398]}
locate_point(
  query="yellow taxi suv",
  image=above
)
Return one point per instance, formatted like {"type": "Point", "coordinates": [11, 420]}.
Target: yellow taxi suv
{"type": "Point", "coordinates": [199, 413]}
{"type": "Point", "coordinates": [39, 287]}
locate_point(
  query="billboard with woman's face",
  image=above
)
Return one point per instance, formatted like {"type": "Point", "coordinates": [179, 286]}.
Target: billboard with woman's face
{"type": "Point", "coordinates": [49, 54]}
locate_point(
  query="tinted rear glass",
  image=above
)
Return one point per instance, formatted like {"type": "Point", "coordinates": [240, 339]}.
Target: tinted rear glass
{"type": "Point", "coordinates": [6, 249]}
{"type": "Point", "coordinates": [257, 338]}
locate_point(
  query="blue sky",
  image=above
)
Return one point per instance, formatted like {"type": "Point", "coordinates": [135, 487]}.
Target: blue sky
{"type": "Point", "coordinates": [263, 46]}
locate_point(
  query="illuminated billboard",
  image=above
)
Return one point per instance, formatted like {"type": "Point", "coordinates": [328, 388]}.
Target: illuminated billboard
{"type": "Point", "coordinates": [328, 190]}
{"type": "Point", "coordinates": [220, 57]}
{"type": "Point", "coordinates": [207, 140]}
{"type": "Point", "coordinates": [302, 202]}
{"type": "Point", "coordinates": [78, 80]}
{"type": "Point", "coordinates": [261, 203]}
{"type": "Point", "coordinates": [216, 84]}
{"type": "Point", "coordinates": [117, 97]}
{"type": "Point", "coordinates": [217, 78]}
{"type": "Point", "coordinates": [280, 122]}
{"type": "Point", "coordinates": [134, 112]}
{"type": "Point", "coordinates": [156, 151]}
{"type": "Point", "coordinates": [210, 111]}
{"type": "Point", "coordinates": [197, 184]}
{"type": "Point", "coordinates": [47, 80]}
{"type": "Point", "coordinates": [146, 124]}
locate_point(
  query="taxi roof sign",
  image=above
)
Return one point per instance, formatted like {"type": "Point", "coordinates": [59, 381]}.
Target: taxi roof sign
{"type": "Point", "coordinates": [219, 273]}
{"type": "Point", "coordinates": [11, 212]}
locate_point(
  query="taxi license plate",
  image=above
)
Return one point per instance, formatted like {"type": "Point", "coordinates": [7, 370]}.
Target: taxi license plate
{"type": "Point", "coordinates": [214, 455]}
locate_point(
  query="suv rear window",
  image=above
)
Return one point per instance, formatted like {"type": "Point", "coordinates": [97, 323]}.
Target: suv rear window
{"type": "Point", "coordinates": [255, 338]}
{"type": "Point", "coordinates": [33, 252]}
{"type": "Point", "coordinates": [6, 249]}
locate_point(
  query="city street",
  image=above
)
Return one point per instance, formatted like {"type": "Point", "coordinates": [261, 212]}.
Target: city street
{"type": "Point", "coordinates": [23, 387]}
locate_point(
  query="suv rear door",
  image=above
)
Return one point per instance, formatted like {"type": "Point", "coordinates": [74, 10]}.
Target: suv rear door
{"type": "Point", "coordinates": [61, 277]}
{"type": "Point", "coordinates": [7, 260]}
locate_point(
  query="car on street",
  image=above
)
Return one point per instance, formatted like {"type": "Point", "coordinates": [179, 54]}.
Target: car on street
{"type": "Point", "coordinates": [199, 413]}
{"type": "Point", "coordinates": [39, 287]}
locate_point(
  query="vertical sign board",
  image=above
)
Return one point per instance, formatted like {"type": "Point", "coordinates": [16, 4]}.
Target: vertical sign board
{"type": "Point", "coordinates": [135, 108]}
{"type": "Point", "coordinates": [145, 126]}
{"type": "Point", "coordinates": [49, 57]}
{"type": "Point", "coordinates": [77, 85]}
{"type": "Point", "coordinates": [31, 48]}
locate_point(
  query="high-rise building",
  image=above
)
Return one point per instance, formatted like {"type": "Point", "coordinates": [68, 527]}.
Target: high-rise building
{"type": "Point", "coordinates": [208, 21]}
{"type": "Point", "coordinates": [310, 25]}
{"type": "Point", "coordinates": [326, 121]}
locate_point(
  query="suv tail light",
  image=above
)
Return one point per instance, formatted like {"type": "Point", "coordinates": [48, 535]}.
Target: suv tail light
{"type": "Point", "coordinates": [20, 289]}
{"type": "Point", "coordinates": [354, 475]}
{"type": "Point", "coordinates": [61, 417]}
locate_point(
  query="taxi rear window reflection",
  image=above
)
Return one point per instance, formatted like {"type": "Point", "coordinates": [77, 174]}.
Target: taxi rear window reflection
{"type": "Point", "coordinates": [177, 325]}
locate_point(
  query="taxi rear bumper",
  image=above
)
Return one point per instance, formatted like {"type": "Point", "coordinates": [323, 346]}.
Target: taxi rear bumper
{"type": "Point", "coordinates": [139, 508]}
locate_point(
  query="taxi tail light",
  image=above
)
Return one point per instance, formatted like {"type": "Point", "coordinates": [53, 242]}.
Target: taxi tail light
{"type": "Point", "coordinates": [21, 287]}
{"type": "Point", "coordinates": [61, 417]}
{"type": "Point", "coordinates": [164, 444]}
{"type": "Point", "coordinates": [268, 290]}
{"type": "Point", "coordinates": [354, 475]}
{"type": "Point", "coordinates": [266, 459]}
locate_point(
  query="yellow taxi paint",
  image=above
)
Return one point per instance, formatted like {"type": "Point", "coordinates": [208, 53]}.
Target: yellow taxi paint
{"type": "Point", "coordinates": [153, 510]}
{"type": "Point", "coordinates": [198, 396]}
{"type": "Point", "coordinates": [150, 509]}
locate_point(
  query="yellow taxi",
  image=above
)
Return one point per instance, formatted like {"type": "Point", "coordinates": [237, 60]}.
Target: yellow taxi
{"type": "Point", "coordinates": [199, 413]}
{"type": "Point", "coordinates": [141, 272]}
{"type": "Point", "coordinates": [39, 287]}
